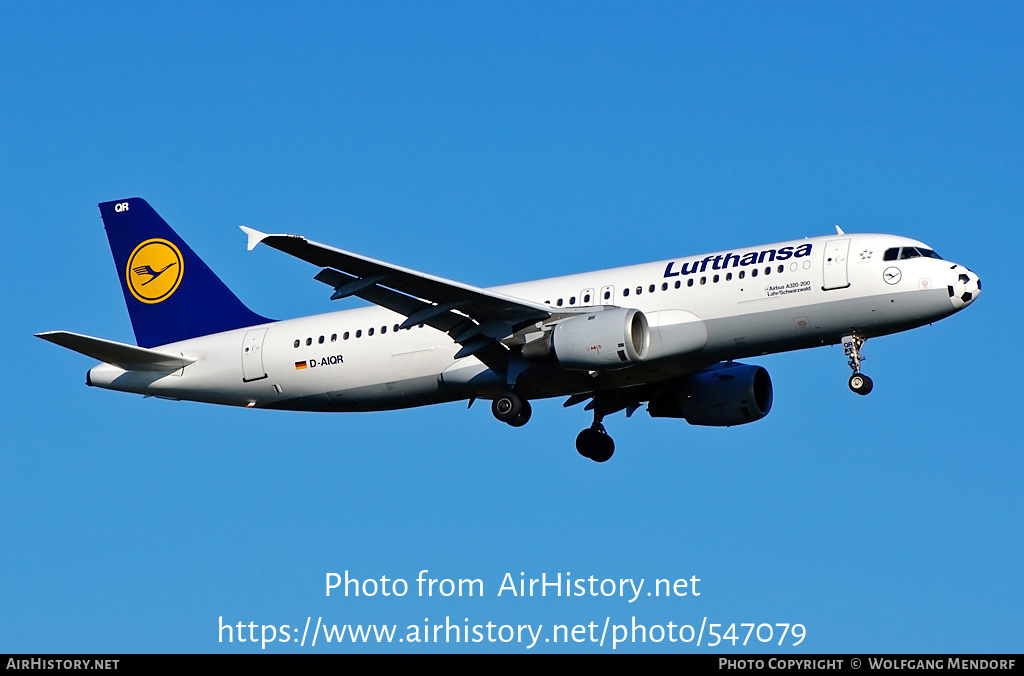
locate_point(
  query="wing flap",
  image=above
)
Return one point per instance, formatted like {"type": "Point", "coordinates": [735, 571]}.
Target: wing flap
{"type": "Point", "coordinates": [122, 355]}
{"type": "Point", "coordinates": [405, 305]}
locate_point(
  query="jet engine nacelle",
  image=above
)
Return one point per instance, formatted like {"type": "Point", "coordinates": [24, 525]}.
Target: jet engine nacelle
{"type": "Point", "coordinates": [603, 339]}
{"type": "Point", "coordinates": [722, 396]}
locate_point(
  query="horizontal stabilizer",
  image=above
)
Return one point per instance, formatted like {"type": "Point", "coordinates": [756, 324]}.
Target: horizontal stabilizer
{"type": "Point", "coordinates": [127, 357]}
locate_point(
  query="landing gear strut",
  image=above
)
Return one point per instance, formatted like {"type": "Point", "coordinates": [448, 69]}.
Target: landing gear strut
{"type": "Point", "coordinates": [512, 409]}
{"type": "Point", "coordinates": [594, 442]}
{"type": "Point", "coordinates": [859, 382]}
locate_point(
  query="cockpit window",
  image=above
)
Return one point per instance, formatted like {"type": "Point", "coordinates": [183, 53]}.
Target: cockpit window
{"type": "Point", "coordinates": [891, 254]}
{"type": "Point", "coordinates": [915, 252]}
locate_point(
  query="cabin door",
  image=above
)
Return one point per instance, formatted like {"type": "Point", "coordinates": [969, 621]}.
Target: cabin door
{"type": "Point", "coordinates": [252, 355]}
{"type": "Point", "coordinates": [837, 251]}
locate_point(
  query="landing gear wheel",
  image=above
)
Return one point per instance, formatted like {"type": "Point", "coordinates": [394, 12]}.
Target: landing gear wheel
{"type": "Point", "coordinates": [594, 443]}
{"type": "Point", "coordinates": [507, 407]}
{"type": "Point", "coordinates": [524, 415]}
{"type": "Point", "coordinates": [860, 383]}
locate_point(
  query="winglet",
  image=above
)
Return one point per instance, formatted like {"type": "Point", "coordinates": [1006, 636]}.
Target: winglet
{"type": "Point", "coordinates": [255, 236]}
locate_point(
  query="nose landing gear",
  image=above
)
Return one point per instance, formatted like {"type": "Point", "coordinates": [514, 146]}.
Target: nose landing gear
{"type": "Point", "coordinates": [859, 383]}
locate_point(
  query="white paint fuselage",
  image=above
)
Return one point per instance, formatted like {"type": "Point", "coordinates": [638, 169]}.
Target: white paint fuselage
{"type": "Point", "coordinates": [701, 310]}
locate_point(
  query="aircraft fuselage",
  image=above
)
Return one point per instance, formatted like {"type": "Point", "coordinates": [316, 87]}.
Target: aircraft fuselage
{"type": "Point", "coordinates": [701, 310]}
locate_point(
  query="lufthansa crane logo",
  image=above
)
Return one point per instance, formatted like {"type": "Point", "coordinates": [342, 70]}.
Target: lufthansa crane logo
{"type": "Point", "coordinates": [154, 270]}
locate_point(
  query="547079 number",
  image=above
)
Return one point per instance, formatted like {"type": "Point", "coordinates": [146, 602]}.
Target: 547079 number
{"type": "Point", "coordinates": [764, 633]}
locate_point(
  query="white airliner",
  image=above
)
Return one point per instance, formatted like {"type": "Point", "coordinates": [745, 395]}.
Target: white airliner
{"type": "Point", "coordinates": [664, 333]}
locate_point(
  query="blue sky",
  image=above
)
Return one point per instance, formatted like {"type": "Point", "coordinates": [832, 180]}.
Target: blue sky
{"type": "Point", "coordinates": [492, 143]}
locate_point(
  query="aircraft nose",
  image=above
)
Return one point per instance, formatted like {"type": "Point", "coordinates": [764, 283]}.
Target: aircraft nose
{"type": "Point", "coordinates": [964, 287]}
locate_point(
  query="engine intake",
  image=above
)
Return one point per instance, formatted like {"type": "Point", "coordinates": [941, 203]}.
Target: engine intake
{"type": "Point", "coordinates": [603, 339]}
{"type": "Point", "coordinates": [721, 396]}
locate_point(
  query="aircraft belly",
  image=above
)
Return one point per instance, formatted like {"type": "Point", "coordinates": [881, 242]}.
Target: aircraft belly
{"type": "Point", "coordinates": [801, 326]}
{"type": "Point", "coordinates": [392, 395]}
{"type": "Point", "coordinates": [408, 378]}
{"type": "Point", "coordinates": [753, 334]}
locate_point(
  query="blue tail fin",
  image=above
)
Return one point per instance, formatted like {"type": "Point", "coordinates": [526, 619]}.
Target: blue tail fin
{"type": "Point", "coordinates": [170, 293]}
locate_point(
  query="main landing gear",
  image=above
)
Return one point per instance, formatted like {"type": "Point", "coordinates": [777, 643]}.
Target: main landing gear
{"type": "Point", "coordinates": [594, 443]}
{"type": "Point", "coordinates": [859, 382]}
{"type": "Point", "coordinates": [512, 409]}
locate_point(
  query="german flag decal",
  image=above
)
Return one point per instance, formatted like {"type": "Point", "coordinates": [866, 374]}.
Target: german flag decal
{"type": "Point", "coordinates": [299, 365]}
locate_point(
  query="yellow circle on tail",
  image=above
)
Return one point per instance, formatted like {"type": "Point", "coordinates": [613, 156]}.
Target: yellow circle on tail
{"type": "Point", "coordinates": [154, 270]}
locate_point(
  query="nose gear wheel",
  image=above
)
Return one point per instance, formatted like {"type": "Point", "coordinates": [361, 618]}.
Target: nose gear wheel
{"type": "Point", "coordinates": [860, 383]}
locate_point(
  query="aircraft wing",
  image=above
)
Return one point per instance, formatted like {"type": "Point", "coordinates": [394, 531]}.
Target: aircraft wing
{"type": "Point", "coordinates": [128, 357]}
{"type": "Point", "coordinates": [476, 318]}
